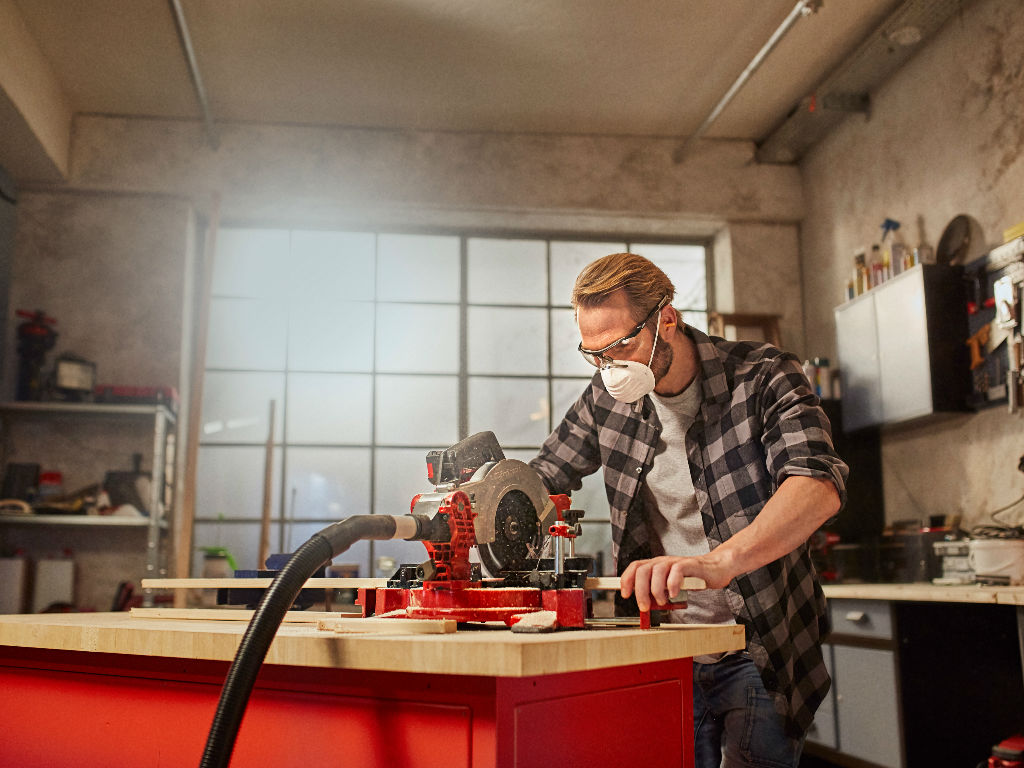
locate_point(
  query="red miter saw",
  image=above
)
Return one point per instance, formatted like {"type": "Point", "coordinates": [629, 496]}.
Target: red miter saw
{"type": "Point", "coordinates": [500, 506]}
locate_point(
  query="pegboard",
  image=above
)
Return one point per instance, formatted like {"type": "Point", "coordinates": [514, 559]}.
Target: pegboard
{"type": "Point", "coordinates": [994, 304]}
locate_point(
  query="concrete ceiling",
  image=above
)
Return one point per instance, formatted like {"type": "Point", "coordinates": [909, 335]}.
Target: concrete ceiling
{"type": "Point", "coordinates": [643, 67]}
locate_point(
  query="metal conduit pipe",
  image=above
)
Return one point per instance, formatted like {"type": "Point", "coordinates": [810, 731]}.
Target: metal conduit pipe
{"type": "Point", "coordinates": [193, 70]}
{"type": "Point", "coordinates": [802, 8]}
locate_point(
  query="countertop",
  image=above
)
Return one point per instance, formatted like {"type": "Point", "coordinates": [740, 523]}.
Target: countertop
{"type": "Point", "coordinates": [489, 652]}
{"type": "Point", "coordinates": [925, 592]}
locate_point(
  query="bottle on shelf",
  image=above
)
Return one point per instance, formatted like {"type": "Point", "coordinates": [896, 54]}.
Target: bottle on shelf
{"type": "Point", "coordinates": [861, 277]}
{"type": "Point", "coordinates": [877, 276]}
{"type": "Point", "coordinates": [923, 253]}
{"type": "Point", "coordinates": [51, 486]}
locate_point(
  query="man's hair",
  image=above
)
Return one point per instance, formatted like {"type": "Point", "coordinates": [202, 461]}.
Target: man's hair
{"type": "Point", "coordinates": [644, 283]}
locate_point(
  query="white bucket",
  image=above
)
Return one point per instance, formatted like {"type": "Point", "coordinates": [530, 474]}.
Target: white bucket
{"type": "Point", "coordinates": [998, 557]}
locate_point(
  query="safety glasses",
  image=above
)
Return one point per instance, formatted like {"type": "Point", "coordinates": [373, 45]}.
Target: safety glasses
{"type": "Point", "coordinates": [598, 359]}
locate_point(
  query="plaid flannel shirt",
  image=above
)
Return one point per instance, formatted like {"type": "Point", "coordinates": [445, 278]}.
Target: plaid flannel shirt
{"type": "Point", "coordinates": [759, 423]}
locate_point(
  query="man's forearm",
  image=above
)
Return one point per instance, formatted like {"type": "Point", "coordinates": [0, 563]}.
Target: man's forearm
{"type": "Point", "coordinates": [797, 509]}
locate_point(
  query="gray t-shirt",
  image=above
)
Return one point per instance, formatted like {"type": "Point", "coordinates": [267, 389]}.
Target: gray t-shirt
{"type": "Point", "coordinates": [671, 503]}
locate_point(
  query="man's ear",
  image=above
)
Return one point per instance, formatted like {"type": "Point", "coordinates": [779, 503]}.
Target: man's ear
{"type": "Point", "coordinates": [671, 319]}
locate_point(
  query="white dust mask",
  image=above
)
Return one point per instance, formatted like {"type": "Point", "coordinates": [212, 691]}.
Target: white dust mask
{"type": "Point", "coordinates": [627, 380]}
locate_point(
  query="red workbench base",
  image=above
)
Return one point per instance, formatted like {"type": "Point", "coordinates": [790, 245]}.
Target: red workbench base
{"type": "Point", "coordinates": [92, 709]}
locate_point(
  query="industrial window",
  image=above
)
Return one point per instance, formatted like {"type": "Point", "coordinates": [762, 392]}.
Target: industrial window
{"type": "Point", "coordinates": [376, 347]}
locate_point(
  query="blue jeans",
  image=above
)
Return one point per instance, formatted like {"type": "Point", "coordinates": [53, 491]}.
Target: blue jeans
{"type": "Point", "coordinates": [734, 720]}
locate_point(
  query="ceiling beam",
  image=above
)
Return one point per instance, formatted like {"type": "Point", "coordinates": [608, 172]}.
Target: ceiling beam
{"type": "Point", "coordinates": [193, 69]}
{"type": "Point", "coordinates": [802, 8]}
{"type": "Point", "coordinates": [847, 89]}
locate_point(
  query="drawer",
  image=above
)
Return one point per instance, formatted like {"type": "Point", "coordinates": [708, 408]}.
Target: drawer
{"type": "Point", "coordinates": [863, 618]}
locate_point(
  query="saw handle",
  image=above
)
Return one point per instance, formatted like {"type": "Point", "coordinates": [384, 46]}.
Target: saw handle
{"type": "Point", "coordinates": [562, 503]}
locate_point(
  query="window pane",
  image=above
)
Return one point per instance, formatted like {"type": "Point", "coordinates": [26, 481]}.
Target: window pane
{"type": "Point", "coordinates": [242, 540]}
{"type": "Point", "coordinates": [358, 555]}
{"type": "Point", "coordinates": [229, 482]}
{"type": "Point", "coordinates": [522, 454]}
{"type": "Point", "coordinates": [417, 338]}
{"type": "Point", "coordinates": [566, 359]}
{"type": "Point", "coordinates": [698, 320]}
{"type": "Point", "coordinates": [331, 336]}
{"type": "Point", "coordinates": [400, 474]}
{"type": "Point", "coordinates": [417, 410]}
{"type": "Point", "coordinates": [507, 271]}
{"type": "Point", "coordinates": [236, 406]}
{"type": "Point", "coordinates": [565, 392]}
{"type": "Point", "coordinates": [418, 268]}
{"type": "Point", "coordinates": [401, 552]}
{"type": "Point", "coordinates": [337, 265]}
{"type": "Point", "coordinates": [506, 340]}
{"type": "Point", "coordinates": [250, 262]}
{"type": "Point", "coordinates": [297, 534]}
{"type": "Point", "coordinates": [596, 540]}
{"type": "Point", "coordinates": [246, 334]}
{"type": "Point", "coordinates": [591, 498]}
{"type": "Point", "coordinates": [331, 483]}
{"type": "Point", "coordinates": [516, 410]}
{"type": "Point", "coordinates": [685, 266]}
{"type": "Point", "coordinates": [331, 408]}
{"type": "Point", "coordinates": [568, 259]}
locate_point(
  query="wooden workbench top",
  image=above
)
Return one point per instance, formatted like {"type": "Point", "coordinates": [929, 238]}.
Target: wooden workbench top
{"type": "Point", "coordinates": [928, 593]}
{"type": "Point", "coordinates": [490, 652]}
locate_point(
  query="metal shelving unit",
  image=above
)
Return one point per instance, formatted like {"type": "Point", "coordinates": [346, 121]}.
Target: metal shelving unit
{"type": "Point", "coordinates": [161, 490]}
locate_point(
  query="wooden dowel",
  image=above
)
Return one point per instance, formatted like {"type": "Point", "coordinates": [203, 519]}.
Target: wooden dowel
{"type": "Point", "coordinates": [268, 482]}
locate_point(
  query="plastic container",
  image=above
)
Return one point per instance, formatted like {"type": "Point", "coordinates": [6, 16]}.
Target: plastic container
{"type": "Point", "coordinates": [51, 486]}
{"type": "Point", "coordinates": [998, 558]}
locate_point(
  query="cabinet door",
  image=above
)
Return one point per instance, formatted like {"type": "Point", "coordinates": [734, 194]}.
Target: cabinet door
{"type": "Point", "coordinates": [906, 383]}
{"type": "Point", "coordinates": [857, 344]}
{"type": "Point", "coordinates": [867, 705]}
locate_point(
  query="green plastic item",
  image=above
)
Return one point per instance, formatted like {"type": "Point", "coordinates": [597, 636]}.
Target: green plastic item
{"type": "Point", "coordinates": [220, 552]}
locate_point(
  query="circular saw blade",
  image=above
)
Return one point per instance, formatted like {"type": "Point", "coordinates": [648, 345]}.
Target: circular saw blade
{"type": "Point", "coordinates": [517, 536]}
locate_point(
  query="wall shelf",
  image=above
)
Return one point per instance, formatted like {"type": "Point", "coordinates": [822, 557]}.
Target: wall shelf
{"type": "Point", "coordinates": [109, 521]}
{"type": "Point", "coordinates": [87, 409]}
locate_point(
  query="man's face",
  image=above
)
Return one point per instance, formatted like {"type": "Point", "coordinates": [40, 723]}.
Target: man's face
{"type": "Point", "coordinates": [610, 321]}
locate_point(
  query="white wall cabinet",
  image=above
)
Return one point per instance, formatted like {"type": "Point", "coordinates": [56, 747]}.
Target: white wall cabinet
{"type": "Point", "coordinates": [902, 348]}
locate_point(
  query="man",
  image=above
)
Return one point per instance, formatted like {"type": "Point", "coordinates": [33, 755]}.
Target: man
{"type": "Point", "coordinates": [718, 463]}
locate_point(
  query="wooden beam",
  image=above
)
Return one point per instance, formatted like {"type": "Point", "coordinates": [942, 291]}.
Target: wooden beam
{"type": "Point", "coordinates": [183, 543]}
{"type": "Point", "coordinates": [234, 614]}
{"type": "Point", "coordinates": [396, 626]}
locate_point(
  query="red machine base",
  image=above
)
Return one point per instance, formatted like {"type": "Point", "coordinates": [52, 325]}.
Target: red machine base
{"type": "Point", "coordinates": [459, 601]}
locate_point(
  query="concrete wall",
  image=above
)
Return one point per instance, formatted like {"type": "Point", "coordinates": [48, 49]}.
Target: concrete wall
{"type": "Point", "coordinates": [945, 136]}
{"type": "Point", "coordinates": [322, 177]}
{"type": "Point", "coordinates": [113, 270]}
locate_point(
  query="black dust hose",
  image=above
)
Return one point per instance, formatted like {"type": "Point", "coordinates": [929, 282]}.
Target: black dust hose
{"type": "Point", "coordinates": [279, 597]}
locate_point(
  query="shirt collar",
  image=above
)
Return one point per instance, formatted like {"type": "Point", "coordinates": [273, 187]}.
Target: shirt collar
{"type": "Point", "coordinates": [714, 380]}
